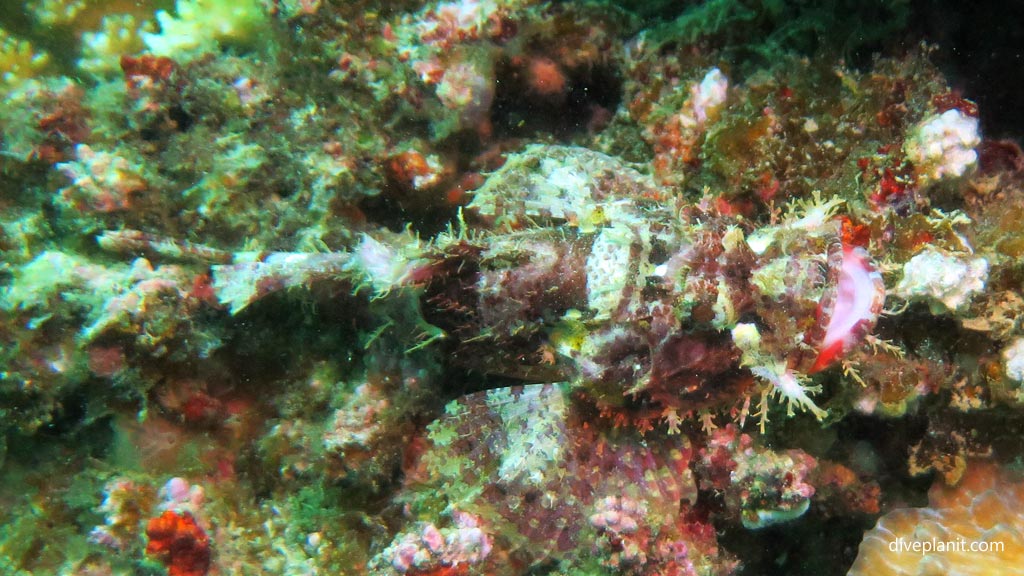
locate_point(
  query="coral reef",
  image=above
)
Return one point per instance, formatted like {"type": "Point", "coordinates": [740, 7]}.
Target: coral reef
{"type": "Point", "coordinates": [501, 287]}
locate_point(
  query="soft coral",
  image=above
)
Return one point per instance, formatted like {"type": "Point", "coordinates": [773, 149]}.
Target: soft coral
{"type": "Point", "coordinates": [179, 543]}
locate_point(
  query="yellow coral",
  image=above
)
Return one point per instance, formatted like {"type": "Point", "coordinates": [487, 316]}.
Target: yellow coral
{"type": "Point", "coordinates": [108, 29]}
{"type": "Point", "coordinates": [118, 34]}
{"type": "Point", "coordinates": [18, 60]}
{"type": "Point", "coordinates": [200, 25]}
{"type": "Point", "coordinates": [82, 16]}
{"type": "Point", "coordinates": [52, 12]}
{"type": "Point", "coordinates": [983, 511]}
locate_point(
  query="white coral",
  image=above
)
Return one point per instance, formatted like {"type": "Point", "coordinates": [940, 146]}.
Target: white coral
{"type": "Point", "coordinates": [788, 384]}
{"type": "Point", "coordinates": [941, 278]}
{"type": "Point", "coordinates": [943, 145]}
{"type": "Point", "coordinates": [118, 34]}
{"type": "Point", "coordinates": [708, 97]}
{"type": "Point", "coordinates": [200, 25]}
{"type": "Point", "coordinates": [1013, 360]}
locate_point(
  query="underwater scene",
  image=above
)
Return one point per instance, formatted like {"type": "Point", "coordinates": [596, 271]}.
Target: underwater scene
{"type": "Point", "coordinates": [511, 287]}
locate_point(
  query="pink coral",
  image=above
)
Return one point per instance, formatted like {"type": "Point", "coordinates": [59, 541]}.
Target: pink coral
{"type": "Point", "coordinates": [428, 548]}
{"type": "Point", "coordinates": [181, 496]}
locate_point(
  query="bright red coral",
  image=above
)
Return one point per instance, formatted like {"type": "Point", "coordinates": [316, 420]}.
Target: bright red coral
{"type": "Point", "coordinates": [177, 541]}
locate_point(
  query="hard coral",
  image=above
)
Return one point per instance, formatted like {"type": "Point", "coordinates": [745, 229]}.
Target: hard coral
{"type": "Point", "coordinates": [116, 36]}
{"type": "Point", "coordinates": [984, 510]}
{"type": "Point", "coordinates": [177, 541]}
{"type": "Point", "coordinates": [943, 145]}
{"type": "Point", "coordinates": [200, 26]}
{"type": "Point", "coordinates": [19, 60]}
{"type": "Point", "coordinates": [433, 551]}
{"type": "Point", "coordinates": [100, 181]}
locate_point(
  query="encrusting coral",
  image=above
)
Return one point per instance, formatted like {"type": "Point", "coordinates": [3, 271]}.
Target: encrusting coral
{"type": "Point", "coordinates": [972, 528]}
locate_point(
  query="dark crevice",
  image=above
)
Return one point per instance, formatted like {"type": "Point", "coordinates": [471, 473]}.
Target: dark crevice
{"type": "Point", "coordinates": [537, 96]}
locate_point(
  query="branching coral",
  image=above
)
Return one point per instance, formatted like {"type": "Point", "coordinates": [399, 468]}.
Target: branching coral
{"type": "Point", "coordinates": [19, 61]}
{"type": "Point", "coordinates": [199, 26]}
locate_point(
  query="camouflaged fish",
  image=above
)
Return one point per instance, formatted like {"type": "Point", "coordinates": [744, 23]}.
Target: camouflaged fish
{"type": "Point", "coordinates": [572, 266]}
